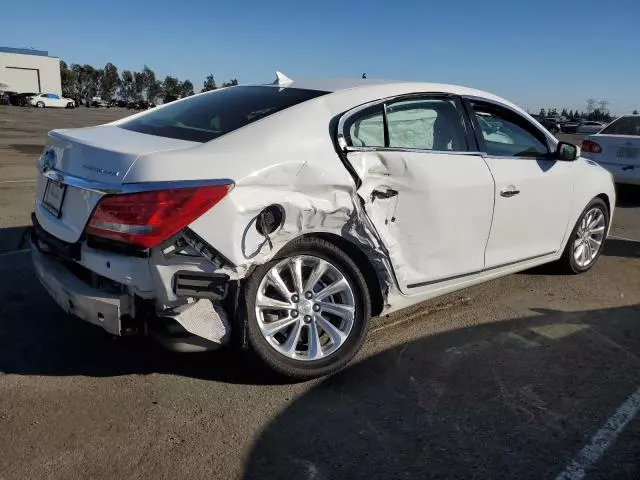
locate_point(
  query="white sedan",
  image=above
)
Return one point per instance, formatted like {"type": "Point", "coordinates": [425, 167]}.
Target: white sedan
{"type": "Point", "coordinates": [51, 100]}
{"type": "Point", "coordinates": [617, 148]}
{"type": "Point", "coordinates": [283, 216]}
{"type": "Point", "coordinates": [590, 127]}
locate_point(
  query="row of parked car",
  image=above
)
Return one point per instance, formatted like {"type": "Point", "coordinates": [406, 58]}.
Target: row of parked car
{"type": "Point", "coordinates": [555, 125]}
{"type": "Point", "coordinates": [42, 100]}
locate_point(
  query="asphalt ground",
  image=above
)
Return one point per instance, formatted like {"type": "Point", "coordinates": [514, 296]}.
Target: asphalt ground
{"type": "Point", "coordinates": [535, 375]}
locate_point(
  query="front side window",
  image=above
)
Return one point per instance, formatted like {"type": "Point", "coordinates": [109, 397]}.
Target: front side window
{"type": "Point", "coordinates": [623, 126]}
{"type": "Point", "coordinates": [426, 124]}
{"type": "Point", "coordinates": [507, 134]}
{"type": "Point", "coordinates": [208, 116]}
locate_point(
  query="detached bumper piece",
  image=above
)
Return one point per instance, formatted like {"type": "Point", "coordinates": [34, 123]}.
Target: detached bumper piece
{"type": "Point", "coordinates": [77, 298]}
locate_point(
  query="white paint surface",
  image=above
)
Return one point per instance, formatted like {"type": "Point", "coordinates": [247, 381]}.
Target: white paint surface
{"type": "Point", "coordinates": [602, 440]}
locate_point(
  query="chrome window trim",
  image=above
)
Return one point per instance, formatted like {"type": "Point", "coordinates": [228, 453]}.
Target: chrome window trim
{"type": "Point", "coordinates": [342, 141]}
{"type": "Point", "coordinates": [413, 150]}
{"type": "Point", "coordinates": [138, 187]}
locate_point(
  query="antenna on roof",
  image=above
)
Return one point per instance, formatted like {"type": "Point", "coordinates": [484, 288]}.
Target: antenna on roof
{"type": "Point", "coordinates": [282, 79]}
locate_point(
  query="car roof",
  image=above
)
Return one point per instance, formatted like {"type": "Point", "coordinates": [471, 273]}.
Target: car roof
{"type": "Point", "coordinates": [333, 85]}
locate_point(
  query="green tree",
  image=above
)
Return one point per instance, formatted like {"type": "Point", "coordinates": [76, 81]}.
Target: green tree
{"type": "Point", "coordinates": [69, 80]}
{"type": "Point", "coordinates": [88, 80]}
{"type": "Point", "coordinates": [209, 83]}
{"type": "Point", "coordinates": [126, 85]}
{"type": "Point", "coordinates": [635, 112]}
{"type": "Point", "coordinates": [542, 113]}
{"type": "Point", "coordinates": [171, 88]}
{"type": "Point", "coordinates": [564, 113]}
{"type": "Point", "coordinates": [186, 88]}
{"type": "Point", "coordinates": [231, 83]}
{"type": "Point", "coordinates": [152, 87]}
{"type": "Point", "coordinates": [570, 114]}
{"type": "Point", "coordinates": [139, 85]}
{"type": "Point", "coordinates": [110, 81]}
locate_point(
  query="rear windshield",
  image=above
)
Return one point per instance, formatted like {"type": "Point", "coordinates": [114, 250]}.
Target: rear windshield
{"type": "Point", "coordinates": [624, 126]}
{"type": "Point", "coordinates": [209, 116]}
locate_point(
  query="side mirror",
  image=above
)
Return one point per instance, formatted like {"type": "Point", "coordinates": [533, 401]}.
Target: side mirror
{"type": "Point", "coordinates": [567, 152]}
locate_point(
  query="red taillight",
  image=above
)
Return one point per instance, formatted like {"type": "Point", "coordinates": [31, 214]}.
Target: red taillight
{"type": "Point", "coordinates": [590, 146]}
{"type": "Point", "coordinates": [148, 218]}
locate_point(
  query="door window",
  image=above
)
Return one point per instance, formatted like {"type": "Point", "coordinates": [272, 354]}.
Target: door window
{"type": "Point", "coordinates": [366, 129]}
{"type": "Point", "coordinates": [507, 134]}
{"type": "Point", "coordinates": [426, 124]}
{"type": "Point", "coordinates": [423, 123]}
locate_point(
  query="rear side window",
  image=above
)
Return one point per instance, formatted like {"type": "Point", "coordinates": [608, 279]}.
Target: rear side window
{"type": "Point", "coordinates": [205, 117]}
{"type": "Point", "coordinates": [422, 123]}
{"type": "Point", "coordinates": [426, 124]}
{"type": "Point", "coordinates": [366, 129]}
{"type": "Point", "coordinates": [624, 126]}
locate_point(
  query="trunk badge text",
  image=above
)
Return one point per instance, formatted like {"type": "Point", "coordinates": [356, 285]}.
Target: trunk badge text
{"type": "Point", "coordinates": [101, 170]}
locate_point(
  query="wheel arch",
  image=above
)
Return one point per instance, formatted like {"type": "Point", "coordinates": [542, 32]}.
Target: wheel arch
{"type": "Point", "coordinates": [363, 262]}
{"type": "Point", "coordinates": [605, 198]}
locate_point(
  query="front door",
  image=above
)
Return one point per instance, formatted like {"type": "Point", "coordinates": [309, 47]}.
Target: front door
{"type": "Point", "coordinates": [533, 191]}
{"type": "Point", "coordinates": [429, 197]}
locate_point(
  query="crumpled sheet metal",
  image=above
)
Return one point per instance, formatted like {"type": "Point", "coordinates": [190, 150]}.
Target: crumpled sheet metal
{"type": "Point", "coordinates": [311, 206]}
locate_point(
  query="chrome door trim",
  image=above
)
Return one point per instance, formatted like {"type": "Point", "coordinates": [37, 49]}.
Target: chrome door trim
{"type": "Point", "coordinates": [475, 272]}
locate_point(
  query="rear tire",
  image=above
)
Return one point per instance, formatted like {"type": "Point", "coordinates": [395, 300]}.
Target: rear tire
{"type": "Point", "coordinates": [40, 104]}
{"type": "Point", "coordinates": [582, 249]}
{"type": "Point", "coordinates": [70, 105]}
{"type": "Point", "coordinates": [338, 322]}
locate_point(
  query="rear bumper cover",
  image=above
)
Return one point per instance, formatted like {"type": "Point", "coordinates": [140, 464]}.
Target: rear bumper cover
{"type": "Point", "coordinates": [76, 297]}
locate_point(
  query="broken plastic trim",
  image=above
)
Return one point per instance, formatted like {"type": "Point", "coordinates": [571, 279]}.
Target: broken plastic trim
{"type": "Point", "coordinates": [203, 248]}
{"type": "Point", "coordinates": [213, 286]}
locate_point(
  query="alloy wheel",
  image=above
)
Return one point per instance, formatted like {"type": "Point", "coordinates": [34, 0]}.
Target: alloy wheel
{"type": "Point", "coordinates": [589, 237]}
{"type": "Point", "coordinates": [305, 308]}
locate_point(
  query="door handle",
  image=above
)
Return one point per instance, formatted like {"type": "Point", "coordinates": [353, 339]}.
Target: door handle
{"type": "Point", "coordinates": [379, 194]}
{"type": "Point", "coordinates": [510, 191]}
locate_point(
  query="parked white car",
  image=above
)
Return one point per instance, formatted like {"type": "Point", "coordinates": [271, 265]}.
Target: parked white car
{"type": "Point", "coordinates": [590, 127]}
{"type": "Point", "coordinates": [51, 100]}
{"type": "Point", "coordinates": [283, 216]}
{"type": "Point", "coordinates": [617, 148]}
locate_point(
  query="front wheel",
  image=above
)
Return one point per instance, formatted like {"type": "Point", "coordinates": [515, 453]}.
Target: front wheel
{"type": "Point", "coordinates": [307, 310]}
{"type": "Point", "coordinates": [587, 238]}
{"type": "Point", "coordinates": [40, 104]}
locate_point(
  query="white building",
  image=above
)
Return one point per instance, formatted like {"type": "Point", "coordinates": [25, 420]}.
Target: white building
{"type": "Point", "coordinates": [26, 71]}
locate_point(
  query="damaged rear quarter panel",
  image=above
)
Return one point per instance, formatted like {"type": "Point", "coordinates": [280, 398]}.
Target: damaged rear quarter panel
{"type": "Point", "coordinates": [287, 159]}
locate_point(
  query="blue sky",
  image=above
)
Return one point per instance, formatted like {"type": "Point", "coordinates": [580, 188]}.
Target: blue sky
{"type": "Point", "coordinates": [535, 53]}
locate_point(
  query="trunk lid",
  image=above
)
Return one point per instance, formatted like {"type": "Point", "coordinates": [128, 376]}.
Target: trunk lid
{"type": "Point", "coordinates": [619, 149]}
{"type": "Point", "coordinates": [81, 160]}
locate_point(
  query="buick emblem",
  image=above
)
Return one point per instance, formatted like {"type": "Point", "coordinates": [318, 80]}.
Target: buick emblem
{"type": "Point", "coordinates": [47, 160]}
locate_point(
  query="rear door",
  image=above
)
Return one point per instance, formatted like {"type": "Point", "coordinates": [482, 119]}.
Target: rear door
{"type": "Point", "coordinates": [425, 187]}
{"type": "Point", "coordinates": [533, 191]}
